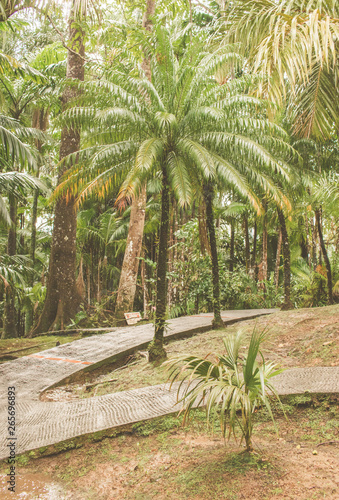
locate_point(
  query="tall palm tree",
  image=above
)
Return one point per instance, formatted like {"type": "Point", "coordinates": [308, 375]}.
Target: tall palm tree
{"type": "Point", "coordinates": [182, 128]}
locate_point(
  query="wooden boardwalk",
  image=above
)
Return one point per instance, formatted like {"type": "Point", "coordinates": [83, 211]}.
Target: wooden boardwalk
{"type": "Point", "coordinates": [40, 424]}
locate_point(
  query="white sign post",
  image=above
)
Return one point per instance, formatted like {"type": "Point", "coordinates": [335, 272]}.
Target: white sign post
{"type": "Point", "coordinates": [132, 318]}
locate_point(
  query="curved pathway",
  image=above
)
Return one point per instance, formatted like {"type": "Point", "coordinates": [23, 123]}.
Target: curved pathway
{"type": "Point", "coordinates": [40, 424]}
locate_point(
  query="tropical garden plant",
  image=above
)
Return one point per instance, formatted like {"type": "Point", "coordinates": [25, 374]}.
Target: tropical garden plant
{"type": "Point", "coordinates": [231, 386]}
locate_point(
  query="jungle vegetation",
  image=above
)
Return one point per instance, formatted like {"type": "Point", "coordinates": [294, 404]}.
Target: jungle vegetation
{"type": "Point", "coordinates": [168, 157]}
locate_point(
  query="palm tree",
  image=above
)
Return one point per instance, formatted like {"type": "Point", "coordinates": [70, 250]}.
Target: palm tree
{"type": "Point", "coordinates": [228, 384]}
{"type": "Point", "coordinates": [180, 127]}
{"type": "Point", "coordinates": [295, 44]}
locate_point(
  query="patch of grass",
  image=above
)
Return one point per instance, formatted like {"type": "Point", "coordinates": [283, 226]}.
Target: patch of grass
{"type": "Point", "coordinates": [220, 477]}
{"type": "Point", "coordinates": [23, 347]}
{"type": "Point", "coordinates": [156, 425]}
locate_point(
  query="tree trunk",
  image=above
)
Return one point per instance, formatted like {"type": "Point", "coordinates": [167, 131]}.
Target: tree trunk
{"type": "Point", "coordinates": [231, 267]}
{"type": "Point", "coordinates": [287, 262]}
{"type": "Point", "coordinates": [325, 255]}
{"type": "Point", "coordinates": [277, 261]}
{"type": "Point", "coordinates": [254, 251]}
{"type": "Point", "coordinates": [40, 122]}
{"type": "Point", "coordinates": [208, 197]}
{"type": "Point", "coordinates": [130, 266]}
{"type": "Point", "coordinates": [10, 330]}
{"type": "Point", "coordinates": [62, 298]}
{"type": "Point", "coordinates": [203, 237]}
{"type": "Point", "coordinates": [156, 349]}
{"type": "Point", "coordinates": [314, 244]}
{"type": "Point", "coordinates": [129, 272]}
{"type": "Point", "coordinates": [309, 256]}
{"type": "Point", "coordinates": [264, 246]}
{"type": "Point", "coordinates": [247, 244]}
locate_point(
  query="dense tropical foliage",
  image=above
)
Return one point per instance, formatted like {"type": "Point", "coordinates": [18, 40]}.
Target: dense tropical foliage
{"type": "Point", "coordinates": [203, 138]}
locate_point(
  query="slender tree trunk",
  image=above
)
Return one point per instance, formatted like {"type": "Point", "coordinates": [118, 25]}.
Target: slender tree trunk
{"type": "Point", "coordinates": [314, 244]}
{"type": "Point", "coordinates": [254, 251]}
{"type": "Point", "coordinates": [144, 284]}
{"type": "Point", "coordinates": [40, 122]}
{"type": "Point", "coordinates": [30, 311]}
{"type": "Point", "coordinates": [156, 349]}
{"type": "Point", "coordinates": [277, 260]}
{"type": "Point", "coordinates": [309, 256]}
{"type": "Point", "coordinates": [208, 197]}
{"type": "Point", "coordinates": [10, 329]}
{"type": "Point", "coordinates": [325, 255]}
{"type": "Point", "coordinates": [203, 237]}
{"type": "Point", "coordinates": [231, 266]}
{"type": "Point", "coordinates": [62, 298]}
{"type": "Point", "coordinates": [247, 244]}
{"type": "Point", "coordinates": [287, 261]}
{"type": "Point", "coordinates": [88, 278]}
{"type": "Point", "coordinates": [129, 272]}
{"type": "Point", "coordinates": [264, 246]}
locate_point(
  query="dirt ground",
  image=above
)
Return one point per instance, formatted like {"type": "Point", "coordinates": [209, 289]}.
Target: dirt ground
{"type": "Point", "coordinates": [165, 461]}
{"type": "Point", "coordinates": [162, 460]}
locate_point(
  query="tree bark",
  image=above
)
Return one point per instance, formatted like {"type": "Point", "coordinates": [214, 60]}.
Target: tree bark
{"type": "Point", "coordinates": [314, 244]}
{"type": "Point", "coordinates": [156, 351]}
{"type": "Point", "coordinates": [231, 266]}
{"type": "Point", "coordinates": [264, 246]}
{"type": "Point", "coordinates": [10, 330]}
{"type": "Point", "coordinates": [62, 298]}
{"type": "Point", "coordinates": [277, 261]}
{"type": "Point", "coordinates": [247, 244]}
{"type": "Point", "coordinates": [129, 272]}
{"type": "Point", "coordinates": [40, 122]}
{"type": "Point", "coordinates": [208, 197]}
{"type": "Point", "coordinates": [254, 251]}
{"type": "Point", "coordinates": [287, 262]}
{"type": "Point", "coordinates": [325, 255]}
{"type": "Point", "coordinates": [203, 237]}
{"type": "Point", "coordinates": [130, 266]}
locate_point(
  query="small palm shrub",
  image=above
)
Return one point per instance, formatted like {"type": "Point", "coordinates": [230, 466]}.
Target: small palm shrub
{"type": "Point", "coordinates": [232, 386]}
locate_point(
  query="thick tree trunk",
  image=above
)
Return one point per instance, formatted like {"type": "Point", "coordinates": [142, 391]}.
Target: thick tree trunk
{"type": "Point", "coordinates": [287, 262]}
{"type": "Point", "coordinates": [325, 255]}
{"type": "Point", "coordinates": [62, 298]}
{"type": "Point", "coordinates": [130, 266]}
{"type": "Point", "coordinates": [277, 260]}
{"type": "Point", "coordinates": [156, 351]}
{"type": "Point", "coordinates": [10, 329]}
{"type": "Point", "coordinates": [129, 272]}
{"type": "Point", "coordinates": [208, 197]}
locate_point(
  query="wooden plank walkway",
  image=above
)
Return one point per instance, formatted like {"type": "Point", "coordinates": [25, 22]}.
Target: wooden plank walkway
{"type": "Point", "coordinates": [46, 423]}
